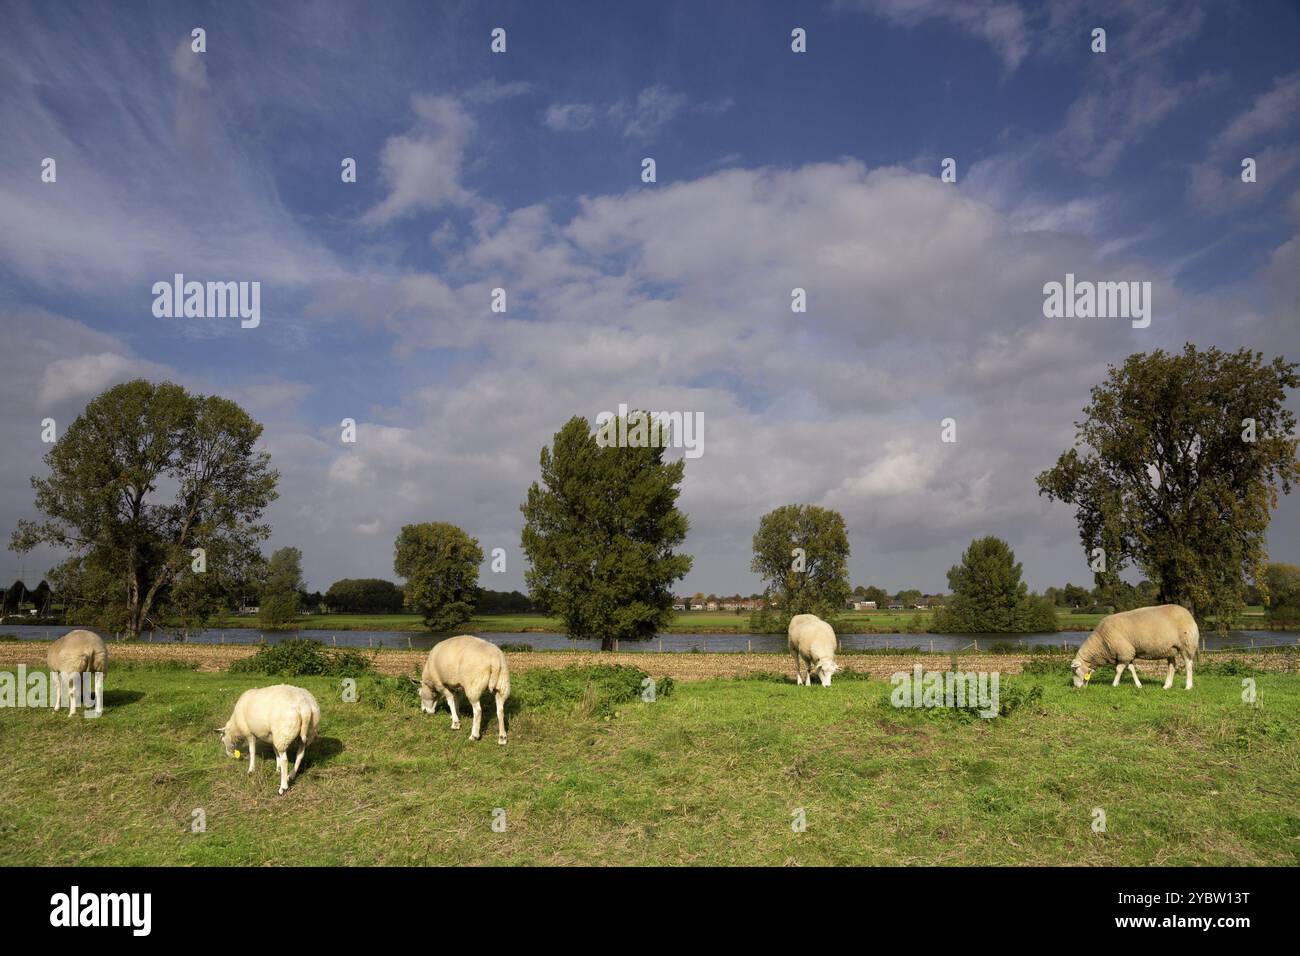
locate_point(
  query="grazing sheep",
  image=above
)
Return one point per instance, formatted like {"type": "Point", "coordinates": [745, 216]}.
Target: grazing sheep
{"type": "Point", "coordinates": [813, 643]}
{"type": "Point", "coordinates": [471, 665]}
{"type": "Point", "coordinates": [1167, 632]}
{"type": "Point", "coordinates": [277, 715]}
{"type": "Point", "coordinates": [77, 653]}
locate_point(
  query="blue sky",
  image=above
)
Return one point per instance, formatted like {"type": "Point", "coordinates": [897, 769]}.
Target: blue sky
{"type": "Point", "coordinates": [522, 171]}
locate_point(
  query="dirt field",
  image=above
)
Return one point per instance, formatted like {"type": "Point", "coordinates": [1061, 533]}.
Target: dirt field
{"type": "Point", "coordinates": [217, 657]}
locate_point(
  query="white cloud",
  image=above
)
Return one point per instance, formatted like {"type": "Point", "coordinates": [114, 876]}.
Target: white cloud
{"type": "Point", "coordinates": [422, 167]}
{"type": "Point", "coordinates": [564, 117]}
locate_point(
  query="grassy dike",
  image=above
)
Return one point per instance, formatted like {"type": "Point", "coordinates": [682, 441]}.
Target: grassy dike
{"type": "Point", "coordinates": [711, 773]}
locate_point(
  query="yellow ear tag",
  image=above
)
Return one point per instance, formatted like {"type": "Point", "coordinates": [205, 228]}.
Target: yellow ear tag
{"type": "Point", "coordinates": [1086, 677]}
{"type": "Point", "coordinates": [236, 754]}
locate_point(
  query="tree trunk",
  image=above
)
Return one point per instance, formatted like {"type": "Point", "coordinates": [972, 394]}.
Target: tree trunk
{"type": "Point", "coordinates": [606, 643]}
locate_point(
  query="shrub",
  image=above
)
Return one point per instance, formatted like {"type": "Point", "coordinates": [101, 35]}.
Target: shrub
{"type": "Point", "coordinates": [299, 657]}
{"type": "Point", "coordinates": [518, 648]}
{"type": "Point", "coordinates": [596, 690]}
{"type": "Point", "coordinates": [1042, 666]}
{"type": "Point", "coordinates": [387, 693]}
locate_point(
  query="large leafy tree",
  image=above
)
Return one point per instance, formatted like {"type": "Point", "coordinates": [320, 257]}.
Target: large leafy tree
{"type": "Point", "coordinates": [600, 530]}
{"type": "Point", "coordinates": [147, 473]}
{"type": "Point", "coordinates": [1282, 593]}
{"type": "Point", "coordinates": [280, 598]}
{"type": "Point", "coordinates": [988, 595]}
{"type": "Point", "coordinates": [1176, 469]}
{"type": "Point", "coordinates": [440, 563]}
{"type": "Point", "coordinates": [815, 581]}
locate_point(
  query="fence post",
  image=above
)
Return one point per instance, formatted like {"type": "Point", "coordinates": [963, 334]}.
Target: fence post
{"type": "Point", "coordinates": [749, 645]}
{"type": "Point", "coordinates": [661, 645]}
{"type": "Point", "coordinates": [408, 642]}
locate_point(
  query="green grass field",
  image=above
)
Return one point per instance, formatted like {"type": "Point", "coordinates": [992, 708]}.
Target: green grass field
{"type": "Point", "coordinates": [712, 774]}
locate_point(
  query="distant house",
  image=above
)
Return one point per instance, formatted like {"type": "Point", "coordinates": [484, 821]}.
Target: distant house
{"type": "Point", "coordinates": [864, 605]}
{"type": "Point", "coordinates": [697, 607]}
{"type": "Point", "coordinates": [923, 607]}
{"type": "Point", "coordinates": [711, 606]}
{"type": "Point", "coordinates": [896, 607]}
{"type": "Point", "coordinates": [247, 611]}
{"type": "Point", "coordinates": [679, 607]}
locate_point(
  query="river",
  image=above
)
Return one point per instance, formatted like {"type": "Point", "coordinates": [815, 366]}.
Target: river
{"type": "Point", "coordinates": [676, 643]}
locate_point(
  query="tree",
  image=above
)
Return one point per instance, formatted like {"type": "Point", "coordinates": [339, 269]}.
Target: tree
{"type": "Point", "coordinates": [909, 597]}
{"type": "Point", "coordinates": [1282, 585]}
{"type": "Point", "coordinates": [802, 552]}
{"type": "Point", "coordinates": [504, 602]}
{"type": "Point", "coordinates": [143, 476]}
{"type": "Point", "coordinates": [1176, 469]}
{"type": "Point", "coordinates": [1075, 596]}
{"type": "Point", "coordinates": [14, 597]}
{"type": "Point", "coordinates": [600, 530]}
{"type": "Point", "coordinates": [280, 600]}
{"type": "Point", "coordinates": [879, 595]}
{"type": "Point", "coordinates": [40, 598]}
{"type": "Point", "coordinates": [364, 596]}
{"type": "Point", "coordinates": [989, 597]}
{"type": "Point", "coordinates": [440, 563]}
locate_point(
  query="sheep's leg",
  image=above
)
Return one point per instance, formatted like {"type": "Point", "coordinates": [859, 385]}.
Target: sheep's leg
{"type": "Point", "coordinates": [501, 718]}
{"type": "Point", "coordinates": [99, 693]}
{"type": "Point", "coordinates": [282, 761]}
{"type": "Point", "coordinates": [1169, 680]}
{"type": "Point", "coordinates": [297, 761]}
{"type": "Point", "coordinates": [56, 679]}
{"type": "Point", "coordinates": [478, 719]}
{"type": "Point", "coordinates": [798, 676]}
{"type": "Point", "coordinates": [451, 705]}
{"type": "Point", "coordinates": [252, 753]}
{"type": "Point", "coordinates": [74, 686]}
{"type": "Point", "coordinates": [1189, 674]}
{"type": "Point", "coordinates": [1119, 673]}
{"type": "Point", "coordinates": [1133, 672]}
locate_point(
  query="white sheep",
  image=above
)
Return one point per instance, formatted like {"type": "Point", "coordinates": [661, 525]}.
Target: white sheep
{"type": "Point", "coordinates": [71, 656]}
{"type": "Point", "coordinates": [277, 715]}
{"type": "Point", "coordinates": [471, 665]}
{"type": "Point", "coordinates": [813, 644]}
{"type": "Point", "coordinates": [1167, 632]}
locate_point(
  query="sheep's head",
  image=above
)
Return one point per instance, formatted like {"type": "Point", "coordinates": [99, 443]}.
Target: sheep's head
{"type": "Point", "coordinates": [428, 703]}
{"type": "Point", "coordinates": [1080, 673]}
{"type": "Point", "coordinates": [227, 740]}
{"type": "Point", "coordinates": [824, 670]}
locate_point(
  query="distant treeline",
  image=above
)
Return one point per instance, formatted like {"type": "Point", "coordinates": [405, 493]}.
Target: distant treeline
{"type": "Point", "coordinates": [18, 598]}
{"type": "Point", "coordinates": [377, 596]}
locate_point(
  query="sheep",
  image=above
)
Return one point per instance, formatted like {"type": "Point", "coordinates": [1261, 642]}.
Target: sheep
{"type": "Point", "coordinates": [1167, 632]}
{"type": "Point", "coordinates": [277, 715]}
{"type": "Point", "coordinates": [74, 654]}
{"type": "Point", "coordinates": [813, 644]}
{"type": "Point", "coordinates": [471, 665]}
